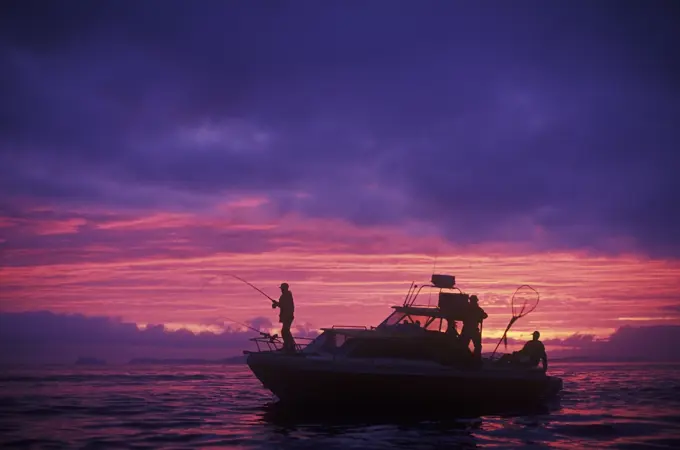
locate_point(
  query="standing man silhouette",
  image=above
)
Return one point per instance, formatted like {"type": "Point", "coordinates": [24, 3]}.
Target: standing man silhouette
{"type": "Point", "coordinates": [471, 325]}
{"type": "Point", "coordinates": [286, 316]}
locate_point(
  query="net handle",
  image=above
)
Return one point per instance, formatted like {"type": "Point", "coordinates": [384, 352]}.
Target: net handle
{"type": "Point", "coordinates": [516, 317]}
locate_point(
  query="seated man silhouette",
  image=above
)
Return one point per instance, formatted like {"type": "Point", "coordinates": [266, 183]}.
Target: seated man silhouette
{"type": "Point", "coordinates": [531, 354]}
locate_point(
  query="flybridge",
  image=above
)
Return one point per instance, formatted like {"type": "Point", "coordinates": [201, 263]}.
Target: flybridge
{"type": "Point", "coordinates": [451, 304]}
{"type": "Point", "coordinates": [439, 281]}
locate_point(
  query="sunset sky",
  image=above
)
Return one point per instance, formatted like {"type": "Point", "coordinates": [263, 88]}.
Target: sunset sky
{"type": "Point", "coordinates": [147, 149]}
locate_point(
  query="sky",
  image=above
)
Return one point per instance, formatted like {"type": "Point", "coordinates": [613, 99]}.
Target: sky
{"type": "Point", "coordinates": [150, 149]}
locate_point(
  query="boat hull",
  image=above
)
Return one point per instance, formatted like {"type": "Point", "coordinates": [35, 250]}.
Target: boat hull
{"type": "Point", "coordinates": [296, 379]}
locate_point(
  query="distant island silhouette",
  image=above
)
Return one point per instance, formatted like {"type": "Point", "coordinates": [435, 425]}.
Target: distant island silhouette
{"type": "Point", "coordinates": [621, 359]}
{"type": "Point", "coordinates": [89, 361]}
{"type": "Point", "coordinates": [241, 359]}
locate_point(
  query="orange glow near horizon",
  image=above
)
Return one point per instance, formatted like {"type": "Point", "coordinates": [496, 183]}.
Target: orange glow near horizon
{"type": "Point", "coordinates": [170, 269]}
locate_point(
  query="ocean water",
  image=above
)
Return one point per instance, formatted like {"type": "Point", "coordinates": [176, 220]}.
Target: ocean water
{"type": "Point", "coordinates": [602, 406]}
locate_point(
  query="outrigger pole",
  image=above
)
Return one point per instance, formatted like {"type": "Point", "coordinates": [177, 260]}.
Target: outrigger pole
{"type": "Point", "coordinates": [408, 294]}
{"type": "Point", "coordinates": [516, 317]}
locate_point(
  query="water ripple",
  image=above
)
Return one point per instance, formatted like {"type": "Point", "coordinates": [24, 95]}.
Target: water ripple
{"type": "Point", "coordinates": [602, 406]}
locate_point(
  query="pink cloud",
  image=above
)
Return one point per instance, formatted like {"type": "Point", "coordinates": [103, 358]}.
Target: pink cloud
{"type": "Point", "coordinates": [152, 268]}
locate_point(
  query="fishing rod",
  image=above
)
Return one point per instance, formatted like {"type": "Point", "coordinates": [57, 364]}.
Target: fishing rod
{"type": "Point", "coordinates": [267, 335]}
{"type": "Point", "coordinates": [272, 338]}
{"type": "Point", "coordinates": [274, 302]}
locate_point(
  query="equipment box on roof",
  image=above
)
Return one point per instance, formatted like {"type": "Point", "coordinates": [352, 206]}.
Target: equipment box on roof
{"type": "Point", "coordinates": [454, 305]}
{"type": "Point", "coordinates": [444, 281]}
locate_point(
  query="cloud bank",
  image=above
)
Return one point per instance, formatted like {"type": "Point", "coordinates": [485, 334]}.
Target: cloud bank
{"type": "Point", "coordinates": [44, 337]}
{"type": "Point", "coordinates": [646, 343]}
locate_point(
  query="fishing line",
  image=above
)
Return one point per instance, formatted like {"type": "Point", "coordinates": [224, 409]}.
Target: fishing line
{"type": "Point", "coordinates": [243, 324]}
{"type": "Point", "coordinates": [252, 286]}
{"type": "Point", "coordinates": [240, 279]}
{"type": "Point", "coordinates": [271, 337]}
{"type": "Point", "coordinates": [267, 335]}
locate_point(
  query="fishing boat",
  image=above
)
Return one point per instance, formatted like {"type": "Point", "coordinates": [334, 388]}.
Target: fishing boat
{"type": "Point", "coordinates": [413, 356]}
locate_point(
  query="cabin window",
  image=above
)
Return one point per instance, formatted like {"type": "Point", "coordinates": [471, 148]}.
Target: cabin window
{"type": "Point", "coordinates": [427, 322]}
{"type": "Point", "coordinates": [328, 342]}
{"type": "Point", "coordinates": [317, 344]}
{"type": "Point", "coordinates": [394, 318]}
{"type": "Point", "coordinates": [423, 321]}
{"type": "Point", "coordinates": [341, 339]}
{"type": "Point", "coordinates": [436, 324]}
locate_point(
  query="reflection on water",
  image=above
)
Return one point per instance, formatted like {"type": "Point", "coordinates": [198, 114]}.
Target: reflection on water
{"type": "Point", "coordinates": [605, 405]}
{"type": "Point", "coordinates": [278, 414]}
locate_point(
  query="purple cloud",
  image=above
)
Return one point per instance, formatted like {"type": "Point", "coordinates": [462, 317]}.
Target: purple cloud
{"type": "Point", "coordinates": [527, 123]}
{"type": "Point", "coordinates": [46, 337]}
{"type": "Point", "coordinates": [649, 343]}
{"type": "Point", "coordinates": [39, 337]}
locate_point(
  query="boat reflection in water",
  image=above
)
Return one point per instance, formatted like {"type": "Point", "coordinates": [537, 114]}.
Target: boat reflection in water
{"type": "Point", "coordinates": [449, 416]}
{"type": "Point", "coordinates": [414, 357]}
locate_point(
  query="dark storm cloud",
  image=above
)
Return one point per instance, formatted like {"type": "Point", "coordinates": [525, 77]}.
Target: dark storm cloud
{"type": "Point", "coordinates": [487, 120]}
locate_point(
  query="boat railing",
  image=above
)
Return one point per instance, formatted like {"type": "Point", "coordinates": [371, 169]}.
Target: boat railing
{"type": "Point", "coordinates": [359, 327]}
{"type": "Point", "coordinates": [267, 344]}
{"type": "Point", "coordinates": [275, 343]}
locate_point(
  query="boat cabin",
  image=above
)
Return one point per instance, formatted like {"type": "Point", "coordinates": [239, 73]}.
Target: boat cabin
{"type": "Point", "coordinates": [413, 332]}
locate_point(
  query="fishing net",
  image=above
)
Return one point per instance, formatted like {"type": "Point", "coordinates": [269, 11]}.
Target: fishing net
{"type": "Point", "coordinates": [524, 300]}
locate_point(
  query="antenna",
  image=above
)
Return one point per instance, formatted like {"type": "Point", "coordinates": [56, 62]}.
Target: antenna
{"type": "Point", "coordinates": [434, 269]}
